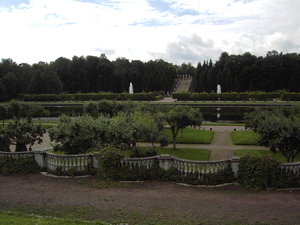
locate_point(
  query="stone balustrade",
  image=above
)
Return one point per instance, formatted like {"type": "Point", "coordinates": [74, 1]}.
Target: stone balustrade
{"type": "Point", "coordinates": [293, 167]}
{"type": "Point", "coordinates": [65, 163]}
{"type": "Point", "coordinates": [52, 162]}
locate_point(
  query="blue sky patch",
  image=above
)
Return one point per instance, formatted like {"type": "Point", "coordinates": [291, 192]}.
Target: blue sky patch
{"type": "Point", "coordinates": [10, 3]}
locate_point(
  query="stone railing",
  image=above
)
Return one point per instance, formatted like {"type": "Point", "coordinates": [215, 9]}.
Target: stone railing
{"type": "Point", "coordinates": [293, 167]}
{"type": "Point", "coordinates": [16, 155]}
{"type": "Point", "coordinates": [65, 163]}
{"type": "Point", "coordinates": [185, 166]}
{"type": "Point", "coordinates": [81, 164]}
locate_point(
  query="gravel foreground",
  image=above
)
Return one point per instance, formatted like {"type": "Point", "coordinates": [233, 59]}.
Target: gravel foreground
{"type": "Point", "coordinates": [147, 203]}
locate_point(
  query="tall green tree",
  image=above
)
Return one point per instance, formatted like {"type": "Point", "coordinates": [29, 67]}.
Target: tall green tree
{"type": "Point", "coordinates": [278, 129]}
{"type": "Point", "coordinates": [179, 117]}
{"type": "Point", "coordinates": [22, 133]}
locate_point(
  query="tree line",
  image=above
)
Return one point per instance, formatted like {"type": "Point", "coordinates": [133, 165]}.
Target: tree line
{"type": "Point", "coordinates": [92, 74]}
{"type": "Point", "coordinates": [88, 74]}
{"type": "Point", "coordinates": [247, 72]}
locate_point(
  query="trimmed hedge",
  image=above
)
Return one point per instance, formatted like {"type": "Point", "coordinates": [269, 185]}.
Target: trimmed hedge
{"type": "Point", "coordinates": [151, 96]}
{"type": "Point", "coordinates": [228, 96]}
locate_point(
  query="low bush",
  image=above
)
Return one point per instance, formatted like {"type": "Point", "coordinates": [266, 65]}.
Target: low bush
{"type": "Point", "coordinates": [24, 165]}
{"type": "Point", "coordinates": [138, 152]}
{"type": "Point", "coordinates": [259, 172]}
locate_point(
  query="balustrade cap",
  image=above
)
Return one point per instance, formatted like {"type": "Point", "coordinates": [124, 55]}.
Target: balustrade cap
{"type": "Point", "coordinates": [165, 156]}
{"type": "Point", "coordinates": [42, 150]}
{"type": "Point", "coordinates": [235, 158]}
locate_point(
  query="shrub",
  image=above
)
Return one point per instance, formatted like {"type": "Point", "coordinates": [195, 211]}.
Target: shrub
{"type": "Point", "coordinates": [220, 177]}
{"type": "Point", "coordinates": [258, 172]}
{"type": "Point", "coordinates": [24, 165]}
{"type": "Point", "coordinates": [137, 152]}
{"type": "Point", "coordinates": [289, 179]}
{"type": "Point", "coordinates": [109, 163]}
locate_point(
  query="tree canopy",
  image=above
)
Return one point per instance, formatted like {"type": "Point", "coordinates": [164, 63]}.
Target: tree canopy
{"type": "Point", "coordinates": [235, 73]}
{"type": "Point", "coordinates": [179, 117]}
{"type": "Point", "coordinates": [278, 129]}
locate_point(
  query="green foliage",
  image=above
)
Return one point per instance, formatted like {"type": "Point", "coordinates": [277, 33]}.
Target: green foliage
{"type": "Point", "coordinates": [258, 172]}
{"type": "Point", "coordinates": [198, 154]}
{"type": "Point", "coordinates": [248, 137]}
{"type": "Point", "coordinates": [21, 133]}
{"type": "Point", "coordinates": [23, 110]}
{"type": "Point", "coordinates": [277, 155]}
{"type": "Point", "coordinates": [179, 117]}
{"type": "Point", "coordinates": [278, 129]}
{"type": "Point", "coordinates": [79, 135]}
{"type": "Point", "coordinates": [109, 163]}
{"type": "Point", "coordinates": [220, 177]}
{"type": "Point", "coordinates": [18, 165]}
{"type": "Point", "coordinates": [289, 179]}
{"type": "Point", "coordinates": [137, 152]}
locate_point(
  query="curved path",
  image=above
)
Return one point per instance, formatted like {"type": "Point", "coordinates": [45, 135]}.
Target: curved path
{"type": "Point", "coordinates": [221, 146]}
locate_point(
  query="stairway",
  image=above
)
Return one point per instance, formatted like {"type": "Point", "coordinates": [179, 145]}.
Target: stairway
{"type": "Point", "coordinates": [184, 85]}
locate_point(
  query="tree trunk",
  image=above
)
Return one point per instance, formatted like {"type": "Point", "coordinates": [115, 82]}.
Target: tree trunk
{"type": "Point", "coordinates": [174, 142]}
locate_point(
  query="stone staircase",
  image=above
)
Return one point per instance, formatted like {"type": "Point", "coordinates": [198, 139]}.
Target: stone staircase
{"type": "Point", "coordinates": [184, 85]}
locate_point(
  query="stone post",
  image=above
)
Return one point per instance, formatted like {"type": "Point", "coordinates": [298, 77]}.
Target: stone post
{"type": "Point", "coordinates": [95, 160]}
{"type": "Point", "coordinates": [235, 161]}
{"type": "Point", "coordinates": [40, 157]}
{"type": "Point", "coordinates": [165, 161]}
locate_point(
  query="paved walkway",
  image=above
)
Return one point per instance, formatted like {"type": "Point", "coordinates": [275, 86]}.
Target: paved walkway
{"type": "Point", "coordinates": [221, 146]}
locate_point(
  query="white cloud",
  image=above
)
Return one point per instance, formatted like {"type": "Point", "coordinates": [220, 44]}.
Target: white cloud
{"type": "Point", "coordinates": [174, 30]}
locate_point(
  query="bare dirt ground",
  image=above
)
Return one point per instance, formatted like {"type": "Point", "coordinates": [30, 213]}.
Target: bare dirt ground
{"type": "Point", "coordinates": [140, 203]}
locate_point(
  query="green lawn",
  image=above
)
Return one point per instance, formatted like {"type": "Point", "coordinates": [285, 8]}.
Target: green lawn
{"type": "Point", "coordinates": [198, 154]}
{"type": "Point", "coordinates": [277, 156]}
{"type": "Point", "coordinates": [192, 136]}
{"type": "Point", "coordinates": [247, 137]}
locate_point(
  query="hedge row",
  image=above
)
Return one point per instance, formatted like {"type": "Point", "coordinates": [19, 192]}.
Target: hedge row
{"type": "Point", "coordinates": [290, 96]}
{"type": "Point", "coordinates": [151, 96]}
{"type": "Point", "coordinates": [232, 96]}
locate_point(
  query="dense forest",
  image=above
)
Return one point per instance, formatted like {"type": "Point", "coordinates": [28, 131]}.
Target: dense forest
{"type": "Point", "coordinates": [92, 74]}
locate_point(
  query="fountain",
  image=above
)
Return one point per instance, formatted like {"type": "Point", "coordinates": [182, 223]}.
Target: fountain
{"type": "Point", "coordinates": [130, 88]}
{"type": "Point", "coordinates": [218, 89]}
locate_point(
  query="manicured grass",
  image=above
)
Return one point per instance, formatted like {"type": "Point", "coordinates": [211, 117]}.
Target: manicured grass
{"type": "Point", "coordinates": [192, 136]}
{"type": "Point", "coordinates": [247, 137]}
{"type": "Point", "coordinates": [277, 156]}
{"type": "Point", "coordinates": [198, 154]}
{"type": "Point", "coordinates": [14, 218]}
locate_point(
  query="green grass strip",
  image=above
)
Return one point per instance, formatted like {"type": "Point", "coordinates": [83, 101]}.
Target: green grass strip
{"type": "Point", "coordinates": [191, 136]}
{"type": "Point", "coordinates": [198, 154]}
{"type": "Point", "coordinates": [277, 156]}
{"type": "Point", "coordinates": [7, 218]}
{"type": "Point", "coordinates": [247, 137]}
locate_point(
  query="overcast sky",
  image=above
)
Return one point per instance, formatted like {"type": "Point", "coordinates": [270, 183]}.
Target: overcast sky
{"type": "Point", "coordinates": [176, 31]}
